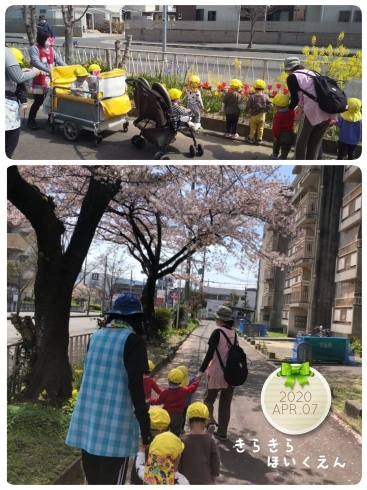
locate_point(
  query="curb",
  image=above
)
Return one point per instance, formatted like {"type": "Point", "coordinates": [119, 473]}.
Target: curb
{"type": "Point", "coordinates": [69, 475]}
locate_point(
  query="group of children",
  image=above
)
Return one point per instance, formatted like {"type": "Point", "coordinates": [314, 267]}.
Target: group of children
{"type": "Point", "coordinates": [258, 104]}
{"type": "Point", "coordinates": [175, 457]}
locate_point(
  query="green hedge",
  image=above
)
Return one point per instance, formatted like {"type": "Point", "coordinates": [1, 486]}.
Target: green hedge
{"type": "Point", "coordinates": [163, 318]}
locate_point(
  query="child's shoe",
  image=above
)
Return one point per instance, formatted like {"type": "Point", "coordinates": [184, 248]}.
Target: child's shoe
{"type": "Point", "coordinates": [235, 136]}
{"type": "Point", "coordinates": [249, 140]}
{"type": "Point", "coordinates": [274, 157]}
{"type": "Point", "coordinates": [228, 135]}
{"type": "Point", "coordinates": [259, 142]}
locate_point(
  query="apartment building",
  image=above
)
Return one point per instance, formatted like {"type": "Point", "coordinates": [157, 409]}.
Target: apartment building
{"type": "Point", "coordinates": [269, 306]}
{"type": "Point", "coordinates": [324, 287]}
{"type": "Point", "coordinates": [346, 318]}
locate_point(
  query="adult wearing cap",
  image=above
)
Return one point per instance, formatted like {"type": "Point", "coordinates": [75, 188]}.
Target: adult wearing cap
{"type": "Point", "coordinates": [215, 382]}
{"type": "Point", "coordinates": [42, 24]}
{"type": "Point", "coordinates": [314, 121]}
{"type": "Point", "coordinates": [44, 58]}
{"type": "Point", "coordinates": [162, 462]}
{"type": "Point", "coordinates": [103, 424]}
{"type": "Point", "coordinates": [14, 75]}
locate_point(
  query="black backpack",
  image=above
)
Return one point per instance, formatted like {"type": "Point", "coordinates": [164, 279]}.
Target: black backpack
{"type": "Point", "coordinates": [235, 371]}
{"type": "Point", "coordinates": [329, 96]}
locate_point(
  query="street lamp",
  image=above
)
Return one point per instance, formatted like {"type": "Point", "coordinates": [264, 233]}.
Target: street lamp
{"type": "Point", "coordinates": [238, 24]}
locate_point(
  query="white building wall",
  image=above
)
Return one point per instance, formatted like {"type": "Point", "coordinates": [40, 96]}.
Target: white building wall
{"type": "Point", "coordinates": [326, 13]}
{"type": "Point", "coordinates": [224, 12]}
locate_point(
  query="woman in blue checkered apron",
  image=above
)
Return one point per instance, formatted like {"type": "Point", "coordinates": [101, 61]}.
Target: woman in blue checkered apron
{"type": "Point", "coordinates": [111, 407]}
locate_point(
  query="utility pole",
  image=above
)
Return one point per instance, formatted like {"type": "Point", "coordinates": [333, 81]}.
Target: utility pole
{"type": "Point", "coordinates": [85, 269]}
{"type": "Point", "coordinates": [131, 280]}
{"type": "Point", "coordinates": [164, 33]}
{"type": "Point", "coordinates": [238, 25]}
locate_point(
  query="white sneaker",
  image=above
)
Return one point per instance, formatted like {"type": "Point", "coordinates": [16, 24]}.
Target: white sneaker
{"type": "Point", "coordinates": [228, 135]}
{"type": "Point", "coordinates": [198, 126]}
{"type": "Point", "coordinates": [235, 136]}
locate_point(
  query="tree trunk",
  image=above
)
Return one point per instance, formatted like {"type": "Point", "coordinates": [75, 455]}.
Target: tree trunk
{"type": "Point", "coordinates": [118, 57]}
{"type": "Point", "coordinates": [69, 51]}
{"type": "Point", "coordinates": [29, 16]}
{"type": "Point", "coordinates": [147, 300]}
{"type": "Point", "coordinates": [126, 54]}
{"type": "Point", "coordinates": [252, 33]}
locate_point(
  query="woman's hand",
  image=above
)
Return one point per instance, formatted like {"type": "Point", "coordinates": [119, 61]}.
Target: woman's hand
{"type": "Point", "coordinates": [36, 70]}
{"type": "Point", "coordinates": [199, 376]}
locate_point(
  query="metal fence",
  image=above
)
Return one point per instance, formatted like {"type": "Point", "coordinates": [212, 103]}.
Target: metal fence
{"type": "Point", "coordinates": [26, 307]}
{"type": "Point", "coordinates": [77, 350]}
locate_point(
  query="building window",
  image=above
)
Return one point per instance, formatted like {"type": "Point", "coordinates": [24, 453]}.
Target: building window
{"type": "Point", "coordinates": [344, 15]}
{"type": "Point", "coordinates": [210, 296]}
{"type": "Point", "coordinates": [212, 14]}
{"type": "Point", "coordinates": [42, 11]}
{"type": "Point", "coordinates": [266, 318]}
{"type": "Point", "coordinates": [199, 14]}
{"type": "Point", "coordinates": [223, 297]}
{"type": "Point", "coordinates": [357, 16]}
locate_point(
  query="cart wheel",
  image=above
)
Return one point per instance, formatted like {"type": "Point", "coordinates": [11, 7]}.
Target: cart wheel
{"type": "Point", "coordinates": [134, 138]}
{"type": "Point", "coordinates": [140, 142]}
{"type": "Point", "coordinates": [98, 140]}
{"type": "Point", "coordinates": [125, 127]}
{"type": "Point", "coordinates": [192, 151]}
{"type": "Point", "coordinates": [165, 157]}
{"type": "Point", "coordinates": [71, 130]}
{"type": "Point", "coordinates": [158, 155]}
{"type": "Point", "coordinates": [200, 150]}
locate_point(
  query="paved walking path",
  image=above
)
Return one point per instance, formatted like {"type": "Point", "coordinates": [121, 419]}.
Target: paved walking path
{"type": "Point", "coordinates": [332, 439]}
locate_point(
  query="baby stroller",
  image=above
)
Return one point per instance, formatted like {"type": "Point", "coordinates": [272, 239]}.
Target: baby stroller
{"type": "Point", "coordinates": [155, 119]}
{"type": "Point", "coordinates": [108, 107]}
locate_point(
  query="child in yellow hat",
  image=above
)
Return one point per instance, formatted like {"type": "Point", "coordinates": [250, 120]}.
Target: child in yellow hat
{"type": "Point", "coordinates": [159, 423]}
{"type": "Point", "coordinates": [149, 383]}
{"type": "Point", "coordinates": [257, 105]}
{"type": "Point", "coordinates": [350, 134]}
{"type": "Point", "coordinates": [80, 86]}
{"type": "Point", "coordinates": [283, 127]}
{"type": "Point", "coordinates": [181, 115]}
{"type": "Point", "coordinates": [194, 100]}
{"type": "Point", "coordinates": [94, 72]}
{"type": "Point", "coordinates": [200, 460]}
{"type": "Point", "coordinates": [160, 467]}
{"type": "Point", "coordinates": [173, 399]}
{"type": "Point", "coordinates": [186, 382]}
{"type": "Point", "coordinates": [231, 105]}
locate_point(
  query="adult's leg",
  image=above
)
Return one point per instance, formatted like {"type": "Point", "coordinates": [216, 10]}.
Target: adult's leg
{"type": "Point", "coordinates": [224, 410]}
{"type": "Point", "coordinates": [38, 101]}
{"type": "Point", "coordinates": [315, 140]}
{"type": "Point", "coordinates": [11, 141]}
{"type": "Point", "coordinates": [103, 470]}
{"type": "Point", "coordinates": [209, 399]}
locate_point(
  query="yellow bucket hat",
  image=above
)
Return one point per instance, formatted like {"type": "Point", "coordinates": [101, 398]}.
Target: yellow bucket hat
{"type": "Point", "coordinates": [175, 376]}
{"type": "Point", "coordinates": [174, 93]}
{"type": "Point", "coordinates": [197, 409]}
{"type": "Point", "coordinates": [260, 84]}
{"type": "Point", "coordinates": [166, 444]}
{"type": "Point", "coordinates": [151, 366]}
{"type": "Point", "coordinates": [280, 100]}
{"type": "Point", "coordinates": [80, 71]}
{"type": "Point", "coordinates": [185, 381]}
{"type": "Point", "coordinates": [194, 79]}
{"type": "Point", "coordinates": [159, 419]}
{"type": "Point", "coordinates": [18, 54]}
{"type": "Point", "coordinates": [353, 114]}
{"type": "Point", "coordinates": [94, 67]}
{"type": "Point", "coordinates": [235, 83]}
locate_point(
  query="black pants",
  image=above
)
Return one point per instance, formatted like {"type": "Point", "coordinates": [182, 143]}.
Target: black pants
{"type": "Point", "coordinates": [38, 101]}
{"type": "Point", "coordinates": [104, 470]}
{"type": "Point", "coordinates": [309, 139]}
{"type": "Point", "coordinates": [283, 144]}
{"type": "Point", "coordinates": [344, 149]}
{"type": "Point", "coordinates": [11, 141]}
{"type": "Point", "coordinates": [184, 417]}
{"type": "Point", "coordinates": [231, 123]}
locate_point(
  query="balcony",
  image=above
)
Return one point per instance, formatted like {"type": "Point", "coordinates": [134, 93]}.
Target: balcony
{"type": "Point", "coordinates": [307, 209]}
{"type": "Point", "coordinates": [302, 250]}
{"type": "Point", "coordinates": [349, 265]}
{"type": "Point", "coordinates": [351, 213]}
{"type": "Point", "coordinates": [267, 300]}
{"type": "Point", "coordinates": [352, 173]}
{"type": "Point", "coordinates": [349, 301]}
{"type": "Point", "coordinates": [269, 274]}
{"type": "Point", "coordinates": [300, 293]}
{"type": "Point", "coordinates": [271, 244]}
{"type": "Point", "coordinates": [347, 320]}
{"type": "Point", "coordinates": [308, 177]}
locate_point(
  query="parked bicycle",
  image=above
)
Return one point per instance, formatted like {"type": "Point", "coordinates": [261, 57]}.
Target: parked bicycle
{"type": "Point", "coordinates": [323, 332]}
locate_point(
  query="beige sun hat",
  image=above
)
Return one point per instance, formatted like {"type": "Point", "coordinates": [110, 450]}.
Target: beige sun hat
{"type": "Point", "coordinates": [223, 313]}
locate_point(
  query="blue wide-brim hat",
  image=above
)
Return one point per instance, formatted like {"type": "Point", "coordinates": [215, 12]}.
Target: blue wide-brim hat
{"type": "Point", "coordinates": [126, 304]}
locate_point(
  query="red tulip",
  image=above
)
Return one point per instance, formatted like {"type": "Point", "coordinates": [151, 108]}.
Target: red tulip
{"type": "Point", "coordinates": [278, 85]}
{"type": "Point", "coordinates": [270, 87]}
{"type": "Point", "coordinates": [246, 87]}
{"type": "Point", "coordinates": [285, 91]}
{"type": "Point", "coordinates": [274, 93]}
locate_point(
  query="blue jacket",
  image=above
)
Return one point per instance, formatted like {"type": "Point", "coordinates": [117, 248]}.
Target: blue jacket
{"type": "Point", "coordinates": [46, 27]}
{"type": "Point", "coordinates": [350, 132]}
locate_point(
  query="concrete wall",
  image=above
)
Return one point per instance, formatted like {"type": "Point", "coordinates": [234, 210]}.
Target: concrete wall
{"type": "Point", "coordinates": [230, 36]}
{"type": "Point", "coordinates": [329, 12]}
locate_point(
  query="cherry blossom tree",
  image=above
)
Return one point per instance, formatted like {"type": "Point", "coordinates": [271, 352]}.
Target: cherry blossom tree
{"type": "Point", "coordinates": [162, 214]}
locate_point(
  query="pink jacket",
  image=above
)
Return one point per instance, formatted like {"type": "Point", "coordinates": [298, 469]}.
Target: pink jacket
{"type": "Point", "coordinates": [215, 374]}
{"type": "Point", "coordinates": [311, 108]}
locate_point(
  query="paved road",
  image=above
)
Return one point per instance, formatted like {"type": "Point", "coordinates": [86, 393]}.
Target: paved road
{"type": "Point", "coordinates": [77, 326]}
{"type": "Point", "coordinates": [331, 439]}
